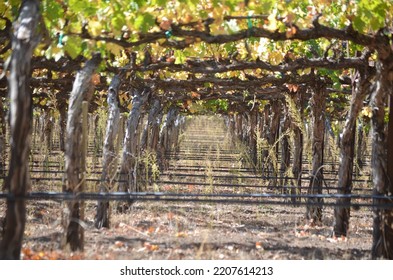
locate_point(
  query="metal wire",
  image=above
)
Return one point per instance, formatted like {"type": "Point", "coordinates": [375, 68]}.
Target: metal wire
{"type": "Point", "coordinates": [385, 202]}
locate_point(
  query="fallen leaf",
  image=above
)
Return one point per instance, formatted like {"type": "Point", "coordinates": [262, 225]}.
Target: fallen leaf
{"type": "Point", "coordinates": [181, 234]}
{"type": "Point", "coordinates": [170, 215]}
{"type": "Point", "coordinates": [258, 245]}
{"type": "Point", "coordinates": [151, 247]}
{"type": "Point", "coordinates": [151, 229]}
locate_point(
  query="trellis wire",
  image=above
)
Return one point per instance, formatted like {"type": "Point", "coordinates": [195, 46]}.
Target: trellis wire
{"type": "Point", "coordinates": [211, 198]}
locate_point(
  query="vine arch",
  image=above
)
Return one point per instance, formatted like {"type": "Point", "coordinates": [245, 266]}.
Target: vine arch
{"type": "Point", "coordinates": [237, 85]}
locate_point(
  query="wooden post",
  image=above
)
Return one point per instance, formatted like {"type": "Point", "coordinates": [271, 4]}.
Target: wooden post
{"type": "Point", "coordinates": [24, 40]}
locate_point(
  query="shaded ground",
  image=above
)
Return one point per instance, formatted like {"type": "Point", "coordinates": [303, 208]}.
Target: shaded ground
{"type": "Point", "coordinates": [159, 230]}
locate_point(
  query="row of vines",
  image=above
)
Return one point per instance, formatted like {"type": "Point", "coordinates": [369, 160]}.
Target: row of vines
{"type": "Point", "coordinates": [319, 63]}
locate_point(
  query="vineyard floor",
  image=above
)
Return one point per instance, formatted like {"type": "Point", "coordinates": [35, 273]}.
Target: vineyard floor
{"type": "Point", "coordinates": [194, 230]}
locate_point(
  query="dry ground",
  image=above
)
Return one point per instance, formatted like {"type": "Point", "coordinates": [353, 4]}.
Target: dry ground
{"type": "Point", "coordinates": [195, 231]}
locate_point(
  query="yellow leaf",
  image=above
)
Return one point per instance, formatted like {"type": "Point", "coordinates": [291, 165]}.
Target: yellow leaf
{"type": "Point", "coordinates": [367, 112]}
{"type": "Point", "coordinates": [272, 22]}
{"type": "Point", "coordinates": [276, 57]}
{"type": "Point", "coordinates": [95, 28]}
{"type": "Point", "coordinates": [115, 49]}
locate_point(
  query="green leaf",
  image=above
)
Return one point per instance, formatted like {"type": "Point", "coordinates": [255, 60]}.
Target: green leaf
{"type": "Point", "coordinates": [180, 57]}
{"type": "Point", "coordinates": [73, 46]}
{"type": "Point", "coordinates": [358, 24]}
{"type": "Point", "coordinates": [86, 8]}
{"type": "Point", "coordinates": [144, 21]}
{"type": "Point", "coordinates": [160, 3]}
{"type": "Point", "coordinates": [53, 10]}
{"type": "Point", "coordinates": [267, 6]}
{"type": "Point", "coordinates": [118, 22]}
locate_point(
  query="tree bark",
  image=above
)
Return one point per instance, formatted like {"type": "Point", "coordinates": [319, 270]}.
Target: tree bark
{"type": "Point", "coordinates": [109, 162]}
{"type": "Point", "coordinates": [48, 128]}
{"type": "Point", "coordinates": [360, 89]}
{"type": "Point", "coordinates": [294, 105]}
{"type": "Point", "coordinates": [239, 125]}
{"type": "Point", "coordinates": [265, 131]}
{"type": "Point", "coordinates": [318, 105]}
{"type": "Point", "coordinates": [155, 132]}
{"type": "Point", "coordinates": [3, 150]}
{"type": "Point", "coordinates": [147, 134]}
{"type": "Point", "coordinates": [360, 147]}
{"type": "Point", "coordinates": [17, 183]}
{"type": "Point", "coordinates": [285, 148]}
{"type": "Point", "coordinates": [130, 151]}
{"type": "Point", "coordinates": [272, 140]}
{"type": "Point", "coordinates": [382, 168]}
{"type": "Point", "coordinates": [62, 125]}
{"type": "Point", "coordinates": [166, 137]}
{"type": "Point", "coordinates": [74, 169]}
{"type": "Point", "coordinates": [253, 135]}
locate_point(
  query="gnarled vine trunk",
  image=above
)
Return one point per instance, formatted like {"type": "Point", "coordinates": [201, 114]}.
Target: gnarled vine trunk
{"type": "Point", "coordinates": [129, 158]}
{"type": "Point", "coordinates": [109, 162]}
{"type": "Point", "coordinates": [253, 135]}
{"type": "Point", "coordinates": [62, 125]}
{"type": "Point", "coordinates": [295, 107]}
{"type": "Point", "coordinates": [382, 169]}
{"type": "Point", "coordinates": [264, 135]}
{"type": "Point", "coordinates": [2, 139]}
{"type": "Point", "coordinates": [74, 233]}
{"type": "Point", "coordinates": [17, 183]}
{"type": "Point", "coordinates": [272, 140]}
{"type": "Point", "coordinates": [167, 138]}
{"type": "Point", "coordinates": [155, 132]}
{"type": "Point", "coordinates": [318, 106]}
{"type": "Point", "coordinates": [360, 89]}
{"type": "Point", "coordinates": [285, 147]}
{"type": "Point", "coordinates": [148, 132]}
